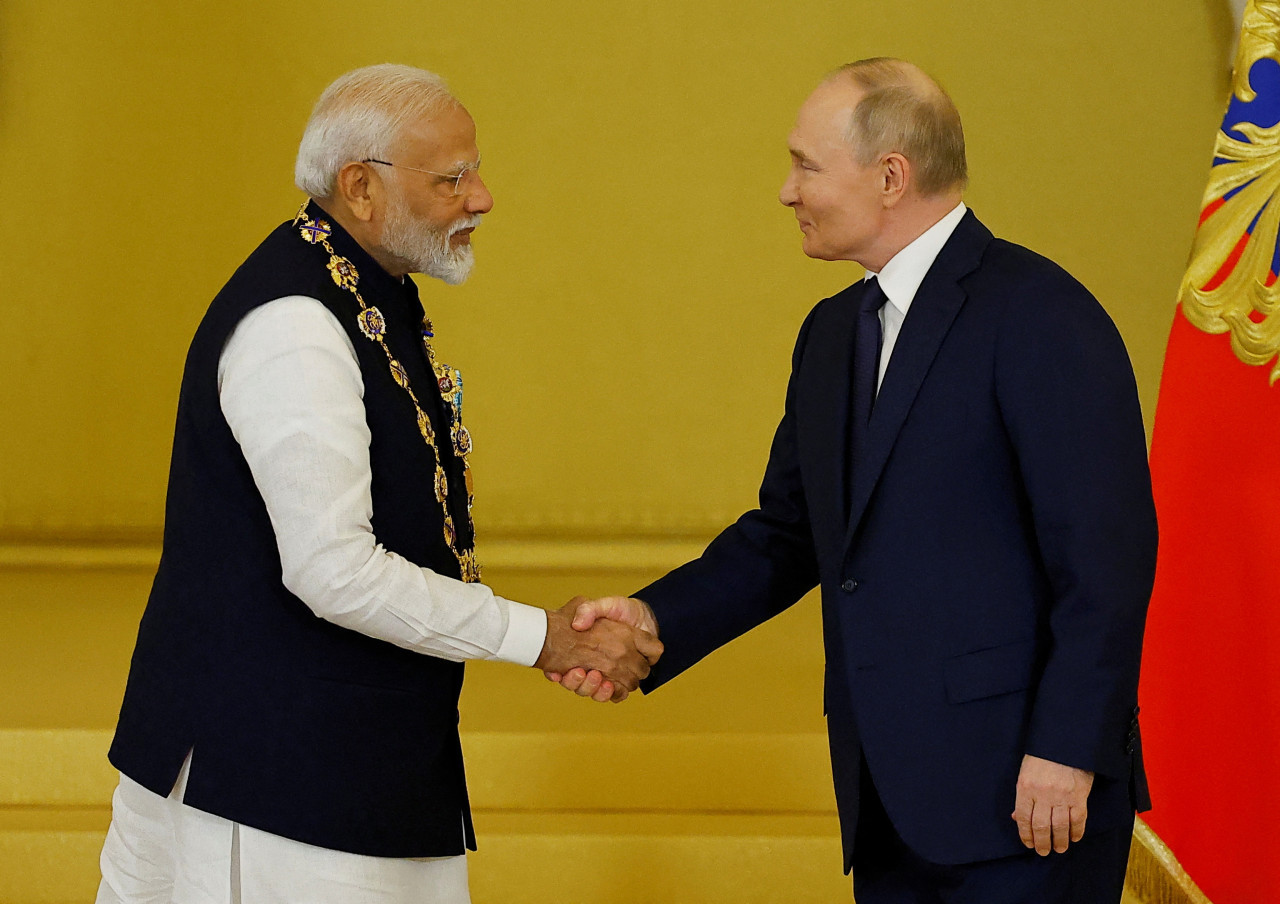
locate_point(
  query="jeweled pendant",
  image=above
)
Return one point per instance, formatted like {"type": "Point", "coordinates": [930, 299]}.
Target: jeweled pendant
{"type": "Point", "coordinates": [399, 373]}
{"type": "Point", "coordinates": [470, 566]}
{"type": "Point", "coordinates": [372, 324]}
{"type": "Point", "coordinates": [315, 231]}
{"type": "Point", "coordinates": [343, 272]}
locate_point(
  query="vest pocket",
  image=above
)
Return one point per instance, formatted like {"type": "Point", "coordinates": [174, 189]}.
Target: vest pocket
{"type": "Point", "coordinates": [990, 672]}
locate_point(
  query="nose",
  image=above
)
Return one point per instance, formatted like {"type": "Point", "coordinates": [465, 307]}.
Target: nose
{"type": "Point", "coordinates": [478, 198]}
{"type": "Point", "coordinates": [788, 196]}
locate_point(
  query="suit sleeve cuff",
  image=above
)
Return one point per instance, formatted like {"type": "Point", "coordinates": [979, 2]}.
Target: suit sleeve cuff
{"type": "Point", "coordinates": [526, 633]}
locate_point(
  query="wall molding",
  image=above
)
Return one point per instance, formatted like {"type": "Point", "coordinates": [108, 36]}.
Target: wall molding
{"type": "Point", "coordinates": [697, 772]}
{"type": "Point", "coordinates": [547, 553]}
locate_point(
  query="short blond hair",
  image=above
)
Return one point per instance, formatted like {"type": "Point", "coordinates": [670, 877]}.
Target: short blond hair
{"type": "Point", "coordinates": [361, 115]}
{"type": "Point", "coordinates": [904, 110]}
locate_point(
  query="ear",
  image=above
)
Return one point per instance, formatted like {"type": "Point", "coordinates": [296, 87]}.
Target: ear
{"type": "Point", "coordinates": [895, 171]}
{"type": "Point", "coordinates": [359, 189]}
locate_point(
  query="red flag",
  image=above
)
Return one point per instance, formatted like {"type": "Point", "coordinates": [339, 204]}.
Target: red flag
{"type": "Point", "coordinates": [1210, 689]}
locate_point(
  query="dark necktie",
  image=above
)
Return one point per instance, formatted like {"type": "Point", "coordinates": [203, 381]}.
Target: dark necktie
{"type": "Point", "coordinates": [868, 338]}
{"type": "Point", "coordinates": [867, 341]}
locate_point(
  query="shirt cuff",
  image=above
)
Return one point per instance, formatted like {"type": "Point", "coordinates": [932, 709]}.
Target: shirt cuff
{"type": "Point", "coordinates": [526, 633]}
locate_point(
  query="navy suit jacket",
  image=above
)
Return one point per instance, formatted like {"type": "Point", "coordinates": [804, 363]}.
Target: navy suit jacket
{"type": "Point", "coordinates": [985, 568]}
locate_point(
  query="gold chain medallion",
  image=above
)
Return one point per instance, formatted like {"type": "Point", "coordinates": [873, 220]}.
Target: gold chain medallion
{"type": "Point", "coordinates": [449, 381]}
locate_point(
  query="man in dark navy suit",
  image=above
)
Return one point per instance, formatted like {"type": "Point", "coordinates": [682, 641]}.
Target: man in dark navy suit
{"type": "Point", "coordinates": [961, 467]}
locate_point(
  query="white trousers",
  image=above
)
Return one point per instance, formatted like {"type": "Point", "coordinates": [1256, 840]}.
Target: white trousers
{"type": "Point", "coordinates": [160, 851]}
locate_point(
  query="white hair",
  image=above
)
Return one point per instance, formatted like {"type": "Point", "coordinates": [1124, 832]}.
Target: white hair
{"type": "Point", "coordinates": [360, 116]}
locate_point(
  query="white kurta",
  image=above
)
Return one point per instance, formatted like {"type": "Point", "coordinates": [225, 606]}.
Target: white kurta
{"type": "Point", "coordinates": [290, 388]}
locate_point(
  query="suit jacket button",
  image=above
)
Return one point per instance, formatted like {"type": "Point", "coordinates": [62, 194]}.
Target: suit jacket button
{"type": "Point", "coordinates": [849, 586]}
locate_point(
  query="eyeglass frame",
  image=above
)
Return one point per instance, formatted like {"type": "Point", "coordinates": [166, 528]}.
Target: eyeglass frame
{"type": "Point", "coordinates": [455, 178]}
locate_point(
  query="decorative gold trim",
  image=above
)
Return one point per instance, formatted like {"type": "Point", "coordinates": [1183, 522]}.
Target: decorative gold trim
{"type": "Point", "coordinates": [1227, 288]}
{"type": "Point", "coordinates": [1155, 875]}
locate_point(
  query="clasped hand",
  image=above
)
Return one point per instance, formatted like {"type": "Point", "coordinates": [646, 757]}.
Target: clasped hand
{"type": "Point", "coordinates": [600, 648]}
{"type": "Point", "coordinates": [611, 614]}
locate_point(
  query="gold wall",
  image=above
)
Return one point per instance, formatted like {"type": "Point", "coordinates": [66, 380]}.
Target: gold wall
{"type": "Point", "coordinates": [627, 332]}
{"type": "Point", "coordinates": [625, 338]}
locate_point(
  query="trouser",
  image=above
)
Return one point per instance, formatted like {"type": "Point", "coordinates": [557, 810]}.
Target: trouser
{"type": "Point", "coordinates": [160, 851]}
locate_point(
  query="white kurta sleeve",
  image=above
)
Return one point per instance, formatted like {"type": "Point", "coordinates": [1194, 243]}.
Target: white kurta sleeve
{"type": "Point", "coordinates": [290, 388]}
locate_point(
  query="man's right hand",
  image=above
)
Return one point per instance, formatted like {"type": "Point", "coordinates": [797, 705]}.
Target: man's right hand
{"type": "Point", "coordinates": [617, 652]}
{"type": "Point", "coordinates": [589, 613]}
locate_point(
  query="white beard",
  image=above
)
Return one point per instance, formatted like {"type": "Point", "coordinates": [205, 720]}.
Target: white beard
{"type": "Point", "coordinates": [425, 248]}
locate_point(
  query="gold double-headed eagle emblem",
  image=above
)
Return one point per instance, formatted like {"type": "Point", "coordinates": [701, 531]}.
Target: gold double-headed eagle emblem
{"type": "Point", "coordinates": [1231, 281]}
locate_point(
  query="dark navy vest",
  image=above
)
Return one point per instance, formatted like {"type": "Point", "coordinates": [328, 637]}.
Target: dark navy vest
{"type": "Point", "coordinates": [299, 727]}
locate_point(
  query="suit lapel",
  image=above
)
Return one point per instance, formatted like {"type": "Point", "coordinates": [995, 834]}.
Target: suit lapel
{"type": "Point", "coordinates": [934, 309]}
{"type": "Point", "coordinates": [832, 434]}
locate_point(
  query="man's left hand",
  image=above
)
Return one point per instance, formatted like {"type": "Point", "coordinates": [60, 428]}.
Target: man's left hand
{"type": "Point", "coordinates": [1052, 804]}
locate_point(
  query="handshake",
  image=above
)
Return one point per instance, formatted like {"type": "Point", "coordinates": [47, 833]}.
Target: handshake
{"type": "Point", "coordinates": [600, 648]}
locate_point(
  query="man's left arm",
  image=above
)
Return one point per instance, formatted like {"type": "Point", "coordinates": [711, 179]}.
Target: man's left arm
{"type": "Point", "coordinates": [756, 567]}
{"type": "Point", "coordinates": [1068, 398]}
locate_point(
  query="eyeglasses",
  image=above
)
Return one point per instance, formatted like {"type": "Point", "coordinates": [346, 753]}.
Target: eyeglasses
{"type": "Point", "coordinates": [456, 179]}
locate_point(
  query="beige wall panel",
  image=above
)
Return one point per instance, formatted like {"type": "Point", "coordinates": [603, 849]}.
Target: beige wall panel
{"type": "Point", "coordinates": [626, 337]}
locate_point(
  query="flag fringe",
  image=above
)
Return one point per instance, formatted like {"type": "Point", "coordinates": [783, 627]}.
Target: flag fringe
{"type": "Point", "coordinates": [1155, 875]}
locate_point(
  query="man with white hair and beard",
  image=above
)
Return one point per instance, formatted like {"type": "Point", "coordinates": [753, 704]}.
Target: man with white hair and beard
{"type": "Point", "coordinates": [290, 727]}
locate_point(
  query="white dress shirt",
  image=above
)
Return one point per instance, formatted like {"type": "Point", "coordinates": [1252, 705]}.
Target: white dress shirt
{"type": "Point", "coordinates": [901, 277]}
{"type": "Point", "coordinates": [290, 388]}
